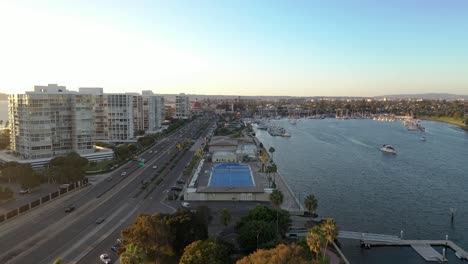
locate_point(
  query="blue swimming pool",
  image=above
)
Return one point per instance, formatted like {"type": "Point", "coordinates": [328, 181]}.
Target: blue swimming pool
{"type": "Point", "coordinates": [231, 175]}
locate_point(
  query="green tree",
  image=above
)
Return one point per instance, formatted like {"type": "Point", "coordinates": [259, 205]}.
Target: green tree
{"type": "Point", "coordinates": [255, 233]}
{"type": "Point", "coordinates": [131, 255]}
{"type": "Point", "coordinates": [5, 139]}
{"type": "Point", "coordinates": [203, 252]}
{"type": "Point", "coordinates": [132, 148]}
{"type": "Point", "coordinates": [276, 198]}
{"type": "Point", "coordinates": [264, 213]}
{"type": "Point", "coordinates": [58, 261]}
{"type": "Point", "coordinates": [316, 241]}
{"type": "Point", "coordinates": [225, 217]}
{"type": "Point", "coordinates": [281, 254]}
{"type": "Point", "coordinates": [330, 232]}
{"type": "Point", "coordinates": [68, 168]}
{"type": "Point", "coordinates": [311, 203]}
{"type": "Point", "coordinates": [122, 152]}
{"type": "Point", "coordinates": [29, 178]}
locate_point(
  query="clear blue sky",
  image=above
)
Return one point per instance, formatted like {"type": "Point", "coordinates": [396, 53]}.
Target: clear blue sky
{"type": "Point", "coordinates": [360, 48]}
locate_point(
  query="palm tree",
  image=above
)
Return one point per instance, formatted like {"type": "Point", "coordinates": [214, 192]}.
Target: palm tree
{"type": "Point", "coordinates": [311, 203]}
{"type": "Point", "coordinates": [131, 255]}
{"type": "Point", "coordinates": [330, 231]}
{"type": "Point", "coordinates": [58, 261]}
{"type": "Point", "coordinates": [225, 217]}
{"type": "Point", "coordinates": [315, 240]}
{"type": "Point", "coordinates": [263, 158]}
{"type": "Point", "coordinates": [276, 198]}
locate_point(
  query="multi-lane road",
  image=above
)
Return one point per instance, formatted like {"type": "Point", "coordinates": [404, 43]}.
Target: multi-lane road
{"type": "Point", "coordinates": [48, 233]}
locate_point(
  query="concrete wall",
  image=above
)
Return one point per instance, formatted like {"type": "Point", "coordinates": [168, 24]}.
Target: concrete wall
{"type": "Point", "coordinates": [226, 196]}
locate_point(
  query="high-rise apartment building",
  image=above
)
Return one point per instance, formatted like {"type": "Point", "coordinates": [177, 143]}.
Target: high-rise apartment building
{"type": "Point", "coordinates": [101, 128]}
{"type": "Point", "coordinates": [120, 116]}
{"type": "Point", "coordinates": [182, 110]}
{"type": "Point", "coordinates": [51, 121]}
{"type": "Point", "coordinates": [153, 111]}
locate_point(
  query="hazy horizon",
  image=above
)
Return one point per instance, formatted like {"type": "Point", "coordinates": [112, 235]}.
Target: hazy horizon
{"type": "Point", "coordinates": [303, 48]}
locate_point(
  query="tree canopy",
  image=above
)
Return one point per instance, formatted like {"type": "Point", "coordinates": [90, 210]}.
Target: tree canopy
{"type": "Point", "coordinates": [161, 236]}
{"type": "Point", "coordinates": [68, 168]}
{"type": "Point", "coordinates": [203, 252]}
{"type": "Point", "coordinates": [281, 254]}
{"type": "Point", "coordinates": [264, 213]}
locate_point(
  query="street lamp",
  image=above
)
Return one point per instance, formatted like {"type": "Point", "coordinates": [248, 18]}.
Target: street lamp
{"type": "Point", "coordinates": [258, 233]}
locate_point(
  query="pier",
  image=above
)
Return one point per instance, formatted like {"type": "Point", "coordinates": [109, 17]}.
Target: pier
{"type": "Point", "coordinates": [422, 247]}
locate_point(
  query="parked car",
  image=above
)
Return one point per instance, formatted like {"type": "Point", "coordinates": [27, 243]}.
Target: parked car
{"type": "Point", "coordinates": [150, 151]}
{"type": "Point", "coordinates": [64, 186]}
{"type": "Point", "coordinates": [123, 173]}
{"type": "Point", "coordinates": [155, 167]}
{"type": "Point", "coordinates": [99, 220]}
{"type": "Point", "coordinates": [105, 258]}
{"type": "Point", "coordinates": [24, 191]}
{"type": "Point", "coordinates": [70, 209]}
{"type": "Point", "coordinates": [185, 204]}
{"type": "Point", "coordinates": [180, 182]}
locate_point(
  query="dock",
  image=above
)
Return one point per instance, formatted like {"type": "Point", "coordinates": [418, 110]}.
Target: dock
{"type": "Point", "coordinates": [422, 247]}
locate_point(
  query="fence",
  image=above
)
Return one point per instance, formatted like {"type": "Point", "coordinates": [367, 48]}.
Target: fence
{"type": "Point", "coordinates": [51, 196]}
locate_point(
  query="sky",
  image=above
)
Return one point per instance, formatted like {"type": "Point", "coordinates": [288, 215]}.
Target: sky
{"type": "Point", "coordinates": [296, 48]}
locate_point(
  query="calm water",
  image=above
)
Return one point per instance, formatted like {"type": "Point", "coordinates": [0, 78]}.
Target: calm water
{"type": "Point", "coordinates": [366, 190]}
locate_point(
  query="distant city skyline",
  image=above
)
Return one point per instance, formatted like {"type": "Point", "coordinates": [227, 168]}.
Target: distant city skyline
{"type": "Point", "coordinates": [246, 48]}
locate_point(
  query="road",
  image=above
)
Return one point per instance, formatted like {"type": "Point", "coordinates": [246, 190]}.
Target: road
{"type": "Point", "coordinates": [48, 233]}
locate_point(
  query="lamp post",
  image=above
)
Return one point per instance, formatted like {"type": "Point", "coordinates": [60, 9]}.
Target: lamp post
{"type": "Point", "coordinates": [258, 233]}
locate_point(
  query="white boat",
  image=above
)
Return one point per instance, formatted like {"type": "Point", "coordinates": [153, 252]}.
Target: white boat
{"type": "Point", "coordinates": [387, 148]}
{"type": "Point", "coordinates": [458, 255]}
{"type": "Point", "coordinates": [423, 138]}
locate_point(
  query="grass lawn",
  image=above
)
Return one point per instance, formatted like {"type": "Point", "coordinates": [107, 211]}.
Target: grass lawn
{"type": "Point", "coordinates": [446, 119]}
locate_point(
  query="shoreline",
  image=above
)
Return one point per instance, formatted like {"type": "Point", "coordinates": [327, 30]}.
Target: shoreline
{"type": "Point", "coordinates": [436, 119]}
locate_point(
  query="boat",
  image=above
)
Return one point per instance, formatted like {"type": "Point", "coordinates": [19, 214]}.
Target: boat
{"type": "Point", "coordinates": [387, 148]}
{"type": "Point", "coordinates": [423, 138]}
{"type": "Point", "coordinates": [262, 126]}
{"type": "Point", "coordinates": [458, 255]}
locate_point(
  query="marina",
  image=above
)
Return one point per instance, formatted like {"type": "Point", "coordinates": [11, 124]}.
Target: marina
{"type": "Point", "coordinates": [341, 164]}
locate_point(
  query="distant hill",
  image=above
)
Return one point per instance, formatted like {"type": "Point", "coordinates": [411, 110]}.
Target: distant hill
{"type": "Point", "coordinates": [429, 96]}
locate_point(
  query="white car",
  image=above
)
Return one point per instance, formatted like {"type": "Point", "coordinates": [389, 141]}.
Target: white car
{"type": "Point", "coordinates": [123, 173]}
{"type": "Point", "coordinates": [155, 166]}
{"type": "Point", "coordinates": [105, 258]}
{"type": "Point", "coordinates": [150, 151]}
{"type": "Point", "coordinates": [185, 204]}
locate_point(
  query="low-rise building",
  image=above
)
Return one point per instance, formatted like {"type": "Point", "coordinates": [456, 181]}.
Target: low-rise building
{"type": "Point", "coordinates": [222, 144]}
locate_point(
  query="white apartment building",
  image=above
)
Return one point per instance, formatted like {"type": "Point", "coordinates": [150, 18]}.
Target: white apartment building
{"type": "Point", "coordinates": [101, 128]}
{"type": "Point", "coordinates": [120, 118]}
{"type": "Point", "coordinates": [51, 121]}
{"type": "Point", "coordinates": [153, 111]}
{"type": "Point", "coordinates": [182, 110]}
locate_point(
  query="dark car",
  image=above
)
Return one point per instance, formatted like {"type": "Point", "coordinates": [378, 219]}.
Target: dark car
{"type": "Point", "coordinates": [180, 182]}
{"type": "Point", "coordinates": [70, 209]}
{"type": "Point", "coordinates": [99, 220]}
{"type": "Point", "coordinates": [176, 188]}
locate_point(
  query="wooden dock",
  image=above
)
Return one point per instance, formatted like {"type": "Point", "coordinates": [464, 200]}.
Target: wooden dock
{"type": "Point", "coordinates": [423, 247]}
